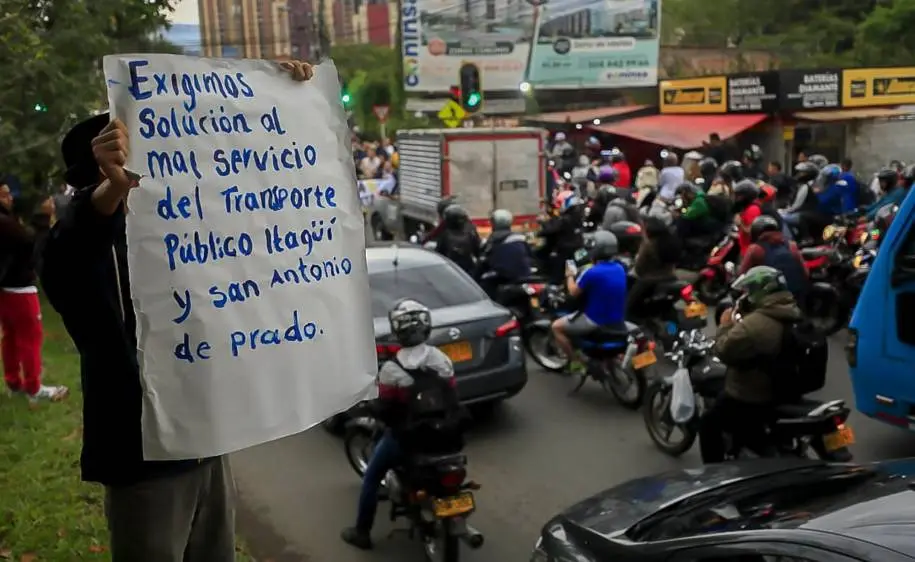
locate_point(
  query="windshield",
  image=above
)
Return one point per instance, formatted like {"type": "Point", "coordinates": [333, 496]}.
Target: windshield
{"type": "Point", "coordinates": [436, 286]}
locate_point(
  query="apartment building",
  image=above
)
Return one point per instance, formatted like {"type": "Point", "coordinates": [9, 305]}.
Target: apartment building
{"type": "Point", "coordinates": [258, 29]}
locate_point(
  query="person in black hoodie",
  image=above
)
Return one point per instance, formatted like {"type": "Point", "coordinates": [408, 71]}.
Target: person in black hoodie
{"type": "Point", "coordinates": [157, 511]}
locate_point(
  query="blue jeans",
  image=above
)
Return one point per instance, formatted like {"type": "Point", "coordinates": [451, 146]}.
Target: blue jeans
{"type": "Point", "coordinates": [386, 456]}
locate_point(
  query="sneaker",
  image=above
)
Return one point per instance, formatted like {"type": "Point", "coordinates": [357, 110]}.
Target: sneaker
{"type": "Point", "coordinates": [49, 393]}
{"type": "Point", "coordinates": [358, 538]}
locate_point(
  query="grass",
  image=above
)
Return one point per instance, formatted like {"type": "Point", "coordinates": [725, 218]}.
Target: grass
{"type": "Point", "coordinates": [46, 513]}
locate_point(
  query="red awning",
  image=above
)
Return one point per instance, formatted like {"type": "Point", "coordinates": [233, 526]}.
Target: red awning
{"type": "Point", "coordinates": [582, 115]}
{"type": "Point", "coordinates": [681, 131]}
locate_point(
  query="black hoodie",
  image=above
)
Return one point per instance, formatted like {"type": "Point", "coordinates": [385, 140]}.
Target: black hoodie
{"type": "Point", "coordinates": [17, 260]}
{"type": "Point", "coordinates": [86, 279]}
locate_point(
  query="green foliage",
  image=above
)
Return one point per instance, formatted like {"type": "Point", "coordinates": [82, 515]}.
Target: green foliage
{"type": "Point", "coordinates": [802, 33]}
{"type": "Point", "coordinates": [51, 60]}
{"type": "Point", "coordinates": [372, 78]}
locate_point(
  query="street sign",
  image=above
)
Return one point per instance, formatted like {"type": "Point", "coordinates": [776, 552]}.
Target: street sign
{"type": "Point", "coordinates": [381, 112]}
{"type": "Point", "coordinates": [452, 114]}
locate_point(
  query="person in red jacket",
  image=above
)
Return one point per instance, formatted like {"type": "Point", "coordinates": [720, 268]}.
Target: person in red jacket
{"type": "Point", "coordinates": [623, 173]}
{"type": "Point", "coordinates": [20, 310]}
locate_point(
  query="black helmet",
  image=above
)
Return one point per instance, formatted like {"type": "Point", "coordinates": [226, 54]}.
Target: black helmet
{"type": "Point", "coordinates": [455, 215]}
{"type": "Point", "coordinates": [605, 194]}
{"type": "Point", "coordinates": [820, 160]}
{"type": "Point", "coordinates": [688, 188]}
{"type": "Point", "coordinates": [732, 171]}
{"type": "Point", "coordinates": [758, 283]}
{"type": "Point", "coordinates": [806, 171]}
{"type": "Point", "coordinates": [761, 224]}
{"type": "Point", "coordinates": [628, 235]}
{"type": "Point", "coordinates": [908, 175]}
{"type": "Point", "coordinates": [602, 245]}
{"type": "Point", "coordinates": [746, 190]}
{"type": "Point", "coordinates": [655, 227]}
{"type": "Point", "coordinates": [708, 166]}
{"type": "Point", "coordinates": [753, 153]}
{"type": "Point", "coordinates": [888, 176]}
{"type": "Point", "coordinates": [444, 204]}
{"type": "Point", "coordinates": [616, 155]}
{"type": "Point", "coordinates": [411, 322]}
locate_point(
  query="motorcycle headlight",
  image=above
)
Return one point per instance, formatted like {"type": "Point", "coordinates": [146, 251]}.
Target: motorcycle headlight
{"type": "Point", "coordinates": [829, 232]}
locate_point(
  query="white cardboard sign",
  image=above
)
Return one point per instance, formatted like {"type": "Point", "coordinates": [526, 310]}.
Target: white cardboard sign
{"type": "Point", "coordinates": [246, 250]}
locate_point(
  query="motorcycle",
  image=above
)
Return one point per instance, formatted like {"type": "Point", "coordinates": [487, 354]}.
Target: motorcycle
{"type": "Point", "coordinates": [715, 278]}
{"type": "Point", "coordinates": [430, 491]}
{"type": "Point", "coordinates": [832, 297]}
{"type": "Point", "coordinates": [668, 310]}
{"type": "Point", "coordinates": [616, 359]}
{"type": "Point", "coordinates": [798, 428]}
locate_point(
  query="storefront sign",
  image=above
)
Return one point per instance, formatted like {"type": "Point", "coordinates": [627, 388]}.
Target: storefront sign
{"type": "Point", "coordinates": [820, 89]}
{"type": "Point", "coordinates": [753, 93]}
{"type": "Point", "coordinates": [694, 95]}
{"type": "Point", "coordinates": [868, 87]}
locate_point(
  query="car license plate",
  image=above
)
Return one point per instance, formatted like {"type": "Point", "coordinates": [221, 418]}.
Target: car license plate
{"type": "Point", "coordinates": [458, 352]}
{"type": "Point", "coordinates": [644, 359]}
{"type": "Point", "coordinates": [696, 310]}
{"type": "Point", "coordinates": [841, 438]}
{"type": "Point", "coordinates": [457, 505]}
{"type": "Point", "coordinates": [535, 302]}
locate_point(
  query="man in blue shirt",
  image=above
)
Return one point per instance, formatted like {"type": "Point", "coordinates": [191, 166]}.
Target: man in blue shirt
{"type": "Point", "coordinates": [850, 195]}
{"type": "Point", "coordinates": [601, 289]}
{"type": "Point", "coordinates": [831, 191]}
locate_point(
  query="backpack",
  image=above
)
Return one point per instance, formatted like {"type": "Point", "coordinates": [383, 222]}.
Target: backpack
{"type": "Point", "coordinates": [719, 208]}
{"type": "Point", "coordinates": [433, 416]}
{"type": "Point", "coordinates": [800, 366]}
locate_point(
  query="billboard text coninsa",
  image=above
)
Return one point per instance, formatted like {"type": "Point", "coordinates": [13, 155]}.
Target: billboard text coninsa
{"type": "Point", "coordinates": [410, 39]}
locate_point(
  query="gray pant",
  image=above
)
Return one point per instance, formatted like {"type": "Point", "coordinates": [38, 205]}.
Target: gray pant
{"type": "Point", "coordinates": [188, 517]}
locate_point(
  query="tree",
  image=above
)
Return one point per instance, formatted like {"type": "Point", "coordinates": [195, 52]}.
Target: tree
{"type": "Point", "coordinates": [51, 68]}
{"type": "Point", "coordinates": [885, 37]}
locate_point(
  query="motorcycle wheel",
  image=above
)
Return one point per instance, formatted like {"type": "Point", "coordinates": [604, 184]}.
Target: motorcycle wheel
{"type": "Point", "coordinates": [712, 289]}
{"type": "Point", "coordinates": [451, 548]}
{"type": "Point", "coordinates": [359, 443]}
{"type": "Point", "coordinates": [626, 384]}
{"type": "Point", "coordinates": [656, 416]}
{"type": "Point", "coordinates": [544, 351]}
{"type": "Point", "coordinates": [825, 312]}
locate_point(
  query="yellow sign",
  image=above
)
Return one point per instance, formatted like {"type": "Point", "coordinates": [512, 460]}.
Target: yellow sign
{"type": "Point", "coordinates": [452, 115]}
{"type": "Point", "coordinates": [694, 95]}
{"type": "Point", "coordinates": [788, 133]}
{"type": "Point", "coordinates": [868, 87]}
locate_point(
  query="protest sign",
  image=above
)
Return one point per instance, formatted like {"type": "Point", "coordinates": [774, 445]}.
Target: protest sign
{"type": "Point", "coordinates": [246, 250]}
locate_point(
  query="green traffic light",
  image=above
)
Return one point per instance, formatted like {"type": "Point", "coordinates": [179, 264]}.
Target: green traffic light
{"type": "Point", "coordinates": [474, 99]}
{"type": "Point", "coordinates": [345, 98]}
{"type": "Point", "coordinates": [40, 107]}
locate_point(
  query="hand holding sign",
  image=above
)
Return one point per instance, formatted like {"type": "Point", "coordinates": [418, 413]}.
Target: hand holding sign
{"type": "Point", "coordinates": [245, 246]}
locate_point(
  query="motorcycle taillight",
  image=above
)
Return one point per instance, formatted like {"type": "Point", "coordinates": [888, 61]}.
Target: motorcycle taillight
{"type": "Point", "coordinates": [453, 478]}
{"type": "Point", "coordinates": [686, 293]}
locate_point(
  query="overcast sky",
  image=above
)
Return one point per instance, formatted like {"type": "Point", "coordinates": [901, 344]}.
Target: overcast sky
{"type": "Point", "coordinates": [186, 12]}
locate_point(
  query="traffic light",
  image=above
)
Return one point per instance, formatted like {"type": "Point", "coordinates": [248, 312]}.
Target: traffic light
{"type": "Point", "coordinates": [471, 88]}
{"type": "Point", "coordinates": [41, 108]}
{"type": "Point", "coordinates": [345, 96]}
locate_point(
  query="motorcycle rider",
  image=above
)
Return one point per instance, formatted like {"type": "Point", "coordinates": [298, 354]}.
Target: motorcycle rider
{"type": "Point", "coordinates": [830, 190]}
{"type": "Point", "coordinates": [602, 291]}
{"type": "Point", "coordinates": [770, 247]}
{"type": "Point", "coordinates": [708, 169]}
{"type": "Point", "coordinates": [505, 257]}
{"type": "Point", "coordinates": [416, 368]}
{"type": "Point", "coordinates": [562, 235]}
{"type": "Point", "coordinates": [563, 153]}
{"type": "Point", "coordinates": [432, 235]}
{"type": "Point", "coordinates": [620, 209]}
{"type": "Point", "coordinates": [623, 172]}
{"type": "Point", "coordinates": [655, 262]}
{"type": "Point", "coordinates": [745, 344]}
{"type": "Point", "coordinates": [695, 220]}
{"type": "Point", "coordinates": [671, 176]}
{"type": "Point", "coordinates": [459, 241]}
{"type": "Point", "coordinates": [805, 200]}
{"type": "Point", "coordinates": [732, 172]}
{"type": "Point", "coordinates": [893, 194]}
{"type": "Point", "coordinates": [751, 159]}
{"type": "Point", "coordinates": [747, 206]}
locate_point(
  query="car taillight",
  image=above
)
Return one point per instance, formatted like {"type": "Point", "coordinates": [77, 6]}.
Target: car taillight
{"type": "Point", "coordinates": [507, 328]}
{"type": "Point", "coordinates": [386, 350]}
{"type": "Point", "coordinates": [686, 293]}
{"type": "Point", "coordinates": [453, 478]}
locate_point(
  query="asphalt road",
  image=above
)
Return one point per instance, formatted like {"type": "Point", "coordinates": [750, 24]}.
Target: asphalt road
{"type": "Point", "coordinates": [543, 451]}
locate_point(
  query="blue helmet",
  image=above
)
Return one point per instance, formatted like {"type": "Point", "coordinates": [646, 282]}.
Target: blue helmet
{"type": "Point", "coordinates": [830, 174]}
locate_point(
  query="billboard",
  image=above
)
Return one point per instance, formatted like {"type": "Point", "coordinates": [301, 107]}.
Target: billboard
{"type": "Point", "coordinates": [868, 87]}
{"type": "Point", "coordinates": [576, 43]}
{"type": "Point", "coordinates": [596, 44]}
{"type": "Point", "coordinates": [695, 95]}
